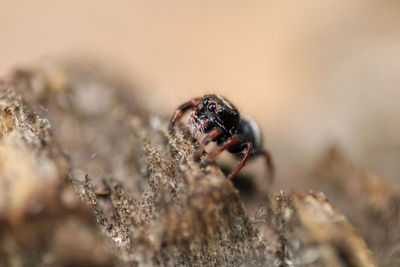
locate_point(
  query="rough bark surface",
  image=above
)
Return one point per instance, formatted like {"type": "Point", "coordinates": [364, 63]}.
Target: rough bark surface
{"type": "Point", "coordinates": [89, 176]}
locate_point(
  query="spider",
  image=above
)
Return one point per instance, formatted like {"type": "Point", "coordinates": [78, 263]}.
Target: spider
{"type": "Point", "coordinates": [221, 122]}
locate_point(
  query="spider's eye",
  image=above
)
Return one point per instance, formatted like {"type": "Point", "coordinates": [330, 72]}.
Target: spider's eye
{"type": "Point", "coordinates": [205, 101]}
{"type": "Point", "coordinates": [220, 111]}
{"type": "Point", "coordinates": [212, 107]}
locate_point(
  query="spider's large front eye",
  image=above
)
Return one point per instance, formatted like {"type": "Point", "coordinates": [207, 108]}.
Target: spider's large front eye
{"type": "Point", "coordinates": [205, 101]}
{"type": "Point", "coordinates": [212, 107]}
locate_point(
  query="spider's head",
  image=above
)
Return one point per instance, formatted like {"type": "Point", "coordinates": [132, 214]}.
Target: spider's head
{"type": "Point", "coordinates": [220, 112]}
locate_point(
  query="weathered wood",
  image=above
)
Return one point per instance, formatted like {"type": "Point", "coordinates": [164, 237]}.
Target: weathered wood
{"type": "Point", "coordinates": [42, 222]}
{"type": "Point", "coordinates": [147, 201]}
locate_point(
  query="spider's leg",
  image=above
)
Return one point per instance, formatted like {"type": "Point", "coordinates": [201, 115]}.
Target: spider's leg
{"type": "Point", "coordinates": [247, 154]}
{"type": "Point", "coordinates": [230, 142]}
{"type": "Point", "coordinates": [270, 164]}
{"type": "Point", "coordinates": [191, 119]}
{"type": "Point", "coordinates": [181, 110]}
{"type": "Point", "coordinates": [201, 125]}
{"type": "Point", "coordinates": [209, 137]}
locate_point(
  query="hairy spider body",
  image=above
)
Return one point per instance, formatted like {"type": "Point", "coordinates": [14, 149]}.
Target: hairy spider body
{"type": "Point", "coordinates": [221, 122]}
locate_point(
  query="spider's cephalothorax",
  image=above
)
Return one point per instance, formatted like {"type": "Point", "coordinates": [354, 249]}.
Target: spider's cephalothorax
{"type": "Point", "coordinates": [221, 121]}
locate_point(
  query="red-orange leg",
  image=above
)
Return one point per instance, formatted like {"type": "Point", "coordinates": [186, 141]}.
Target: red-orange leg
{"type": "Point", "coordinates": [209, 137]}
{"type": "Point", "coordinates": [230, 142]}
{"type": "Point", "coordinates": [198, 128]}
{"type": "Point", "coordinates": [181, 110]}
{"type": "Point", "coordinates": [191, 119]}
{"type": "Point", "coordinates": [241, 164]}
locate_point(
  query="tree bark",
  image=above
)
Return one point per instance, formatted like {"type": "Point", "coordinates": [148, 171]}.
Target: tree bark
{"type": "Point", "coordinates": [90, 176]}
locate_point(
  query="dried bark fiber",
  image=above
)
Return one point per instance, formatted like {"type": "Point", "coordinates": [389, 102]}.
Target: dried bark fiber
{"type": "Point", "coordinates": [106, 185]}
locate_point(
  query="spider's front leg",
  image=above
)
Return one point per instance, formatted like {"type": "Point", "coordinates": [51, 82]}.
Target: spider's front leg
{"type": "Point", "coordinates": [181, 110]}
{"type": "Point", "coordinates": [228, 143]}
{"type": "Point", "coordinates": [247, 154]}
{"type": "Point", "coordinates": [209, 137]}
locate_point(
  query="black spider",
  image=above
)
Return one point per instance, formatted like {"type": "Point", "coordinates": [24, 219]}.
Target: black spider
{"type": "Point", "coordinates": [221, 121]}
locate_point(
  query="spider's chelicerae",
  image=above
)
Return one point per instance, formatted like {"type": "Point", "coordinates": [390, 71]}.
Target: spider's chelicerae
{"type": "Point", "coordinates": [221, 122]}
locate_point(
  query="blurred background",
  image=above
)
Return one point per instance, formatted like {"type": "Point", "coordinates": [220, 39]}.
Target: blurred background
{"type": "Point", "coordinates": [314, 74]}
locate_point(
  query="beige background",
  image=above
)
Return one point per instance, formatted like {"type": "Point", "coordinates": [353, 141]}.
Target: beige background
{"type": "Point", "coordinates": [312, 73]}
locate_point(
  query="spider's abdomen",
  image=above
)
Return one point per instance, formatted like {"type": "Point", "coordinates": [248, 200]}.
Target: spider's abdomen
{"type": "Point", "coordinates": [248, 131]}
